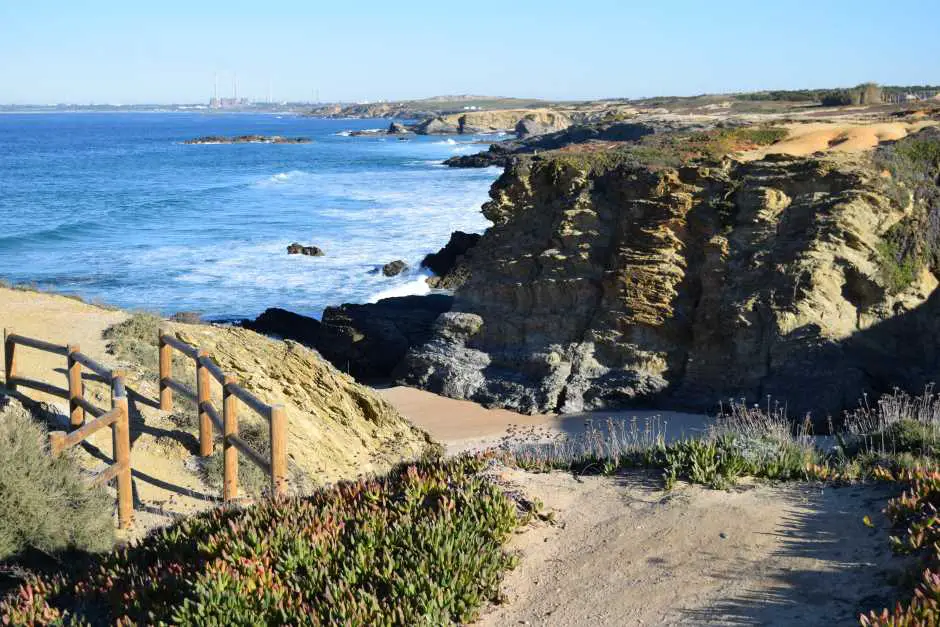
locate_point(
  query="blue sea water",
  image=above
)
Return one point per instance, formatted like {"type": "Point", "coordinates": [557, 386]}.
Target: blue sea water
{"type": "Point", "coordinates": [114, 207]}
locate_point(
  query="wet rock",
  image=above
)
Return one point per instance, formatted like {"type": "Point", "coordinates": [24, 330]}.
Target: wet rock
{"type": "Point", "coordinates": [299, 249]}
{"type": "Point", "coordinates": [394, 268]}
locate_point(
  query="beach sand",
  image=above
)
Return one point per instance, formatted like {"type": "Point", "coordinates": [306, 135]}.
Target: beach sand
{"type": "Point", "coordinates": [467, 426]}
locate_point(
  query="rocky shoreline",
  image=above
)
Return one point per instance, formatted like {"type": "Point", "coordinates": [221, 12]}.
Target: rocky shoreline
{"type": "Point", "coordinates": [606, 282]}
{"type": "Point", "coordinates": [248, 139]}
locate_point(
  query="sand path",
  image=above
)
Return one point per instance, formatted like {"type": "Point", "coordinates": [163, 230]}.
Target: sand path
{"type": "Point", "coordinates": [164, 488]}
{"type": "Point", "coordinates": [623, 552]}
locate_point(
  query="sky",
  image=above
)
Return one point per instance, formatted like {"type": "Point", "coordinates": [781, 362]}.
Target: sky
{"type": "Point", "coordinates": [128, 52]}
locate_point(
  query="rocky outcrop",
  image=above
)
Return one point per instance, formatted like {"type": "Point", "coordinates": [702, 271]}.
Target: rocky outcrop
{"type": "Point", "coordinates": [367, 341]}
{"type": "Point", "coordinates": [248, 139]}
{"type": "Point", "coordinates": [603, 285]}
{"type": "Point", "coordinates": [448, 263]}
{"type": "Point", "coordinates": [394, 268]}
{"type": "Point", "coordinates": [532, 121]}
{"type": "Point", "coordinates": [299, 249]}
{"type": "Point", "coordinates": [501, 153]}
{"type": "Point", "coordinates": [438, 126]}
{"type": "Point", "coordinates": [396, 128]}
{"type": "Point", "coordinates": [541, 123]}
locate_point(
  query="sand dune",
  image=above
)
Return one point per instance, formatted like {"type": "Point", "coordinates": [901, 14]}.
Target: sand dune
{"type": "Point", "coordinates": [806, 139]}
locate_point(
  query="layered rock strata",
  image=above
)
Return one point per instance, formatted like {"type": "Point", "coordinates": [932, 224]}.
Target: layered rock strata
{"type": "Point", "coordinates": [600, 285]}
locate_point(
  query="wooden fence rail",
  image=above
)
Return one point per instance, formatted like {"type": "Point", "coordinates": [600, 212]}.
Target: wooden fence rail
{"type": "Point", "coordinates": [227, 423]}
{"type": "Point", "coordinates": [117, 417]}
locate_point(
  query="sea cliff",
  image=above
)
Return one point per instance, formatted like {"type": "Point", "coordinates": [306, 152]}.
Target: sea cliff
{"type": "Point", "coordinates": [607, 281]}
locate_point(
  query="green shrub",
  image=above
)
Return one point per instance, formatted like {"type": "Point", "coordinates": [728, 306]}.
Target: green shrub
{"type": "Point", "coordinates": [422, 545]}
{"type": "Point", "coordinates": [251, 479]}
{"type": "Point", "coordinates": [44, 502]}
{"type": "Point", "coordinates": [914, 242]}
{"type": "Point", "coordinates": [866, 93]}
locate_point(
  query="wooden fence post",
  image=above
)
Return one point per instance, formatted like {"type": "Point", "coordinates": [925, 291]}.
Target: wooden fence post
{"type": "Point", "coordinates": [230, 453]}
{"type": "Point", "coordinates": [55, 442]}
{"type": "Point", "coordinates": [9, 359]}
{"type": "Point", "coordinates": [202, 396]}
{"type": "Point", "coordinates": [166, 372]}
{"type": "Point", "coordinates": [76, 388]}
{"type": "Point", "coordinates": [121, 435]}
{"type": "Point", "coordinates": [278, 421]}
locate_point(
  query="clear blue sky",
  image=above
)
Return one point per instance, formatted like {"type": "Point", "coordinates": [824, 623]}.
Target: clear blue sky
{"type": "Point", "coordinates": [168, 51]}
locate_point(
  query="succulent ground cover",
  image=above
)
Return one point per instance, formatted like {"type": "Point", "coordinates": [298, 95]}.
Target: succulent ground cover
{"type": "Point", "coordinates": [423, 545]}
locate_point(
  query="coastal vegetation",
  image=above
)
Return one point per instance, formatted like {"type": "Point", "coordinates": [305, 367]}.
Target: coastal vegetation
{"type": "Point", "coordinates": [426, 542]}
{"type": "Point", "coordinates": [913, 244]}
{"type": "Point", "coordinates": [668, 150]}
{"type": "Point", "coordinates": [422, 545]}
{"type": "Point", "coordinates": [45, 506]}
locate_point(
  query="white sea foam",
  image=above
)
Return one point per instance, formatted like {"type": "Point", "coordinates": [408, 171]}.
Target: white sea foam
{"type": "Point", "coordinates": [415, 287]}
{"type": "Point", "coordinates": [364, 203]}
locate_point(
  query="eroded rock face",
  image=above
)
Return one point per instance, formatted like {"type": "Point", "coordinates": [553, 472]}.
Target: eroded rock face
{"type": "Point", "coordinates": [597, 289]}
{"type": "Point", "coordinates": [448, 263]}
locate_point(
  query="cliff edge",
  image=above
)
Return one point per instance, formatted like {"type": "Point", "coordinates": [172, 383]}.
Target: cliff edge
{"type": "Point", "coordinates": [614, 277]}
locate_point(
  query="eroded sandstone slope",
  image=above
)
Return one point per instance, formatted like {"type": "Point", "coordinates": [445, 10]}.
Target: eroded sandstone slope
{"type": "Point", "coordinates": [605, 281]}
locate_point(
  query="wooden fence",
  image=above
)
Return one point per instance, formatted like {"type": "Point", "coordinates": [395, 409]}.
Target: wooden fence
{"type": "Point", "coordinates": [117, 417]}
{"type": "Point", "coordinates": [227, 423]}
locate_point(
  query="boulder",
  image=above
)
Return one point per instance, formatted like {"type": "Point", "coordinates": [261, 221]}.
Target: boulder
{"type": "Point", "coordinates": [394, 268]}
{"type": "Point", "coordinates": [396, 128]}
{"type": "Point", "coordinates": [286, 325]}
{"type": "Point", "coordinates": [299, 249]}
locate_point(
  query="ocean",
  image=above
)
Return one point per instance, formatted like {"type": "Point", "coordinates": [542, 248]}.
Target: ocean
{"type": "Point", "coordinates": [113, 207]}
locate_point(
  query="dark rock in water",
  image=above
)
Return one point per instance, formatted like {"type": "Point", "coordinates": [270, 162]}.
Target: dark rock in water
{"type": "Point", "coordinates": [394, 268]}
{"type": "Point", "coordinates": [447, 262]}
{"type": "Point", "coordinates": [369, 132]}
{"type": "Point", "coordinates": [396, 128]}
{"type": "Point", "coordinates": [300, 249]}
{"type": "Point", "coordinates": [367, 341]}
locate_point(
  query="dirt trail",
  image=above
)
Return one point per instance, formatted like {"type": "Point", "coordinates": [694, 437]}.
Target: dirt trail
{"type": "Point", "coordinates": [623, 552]}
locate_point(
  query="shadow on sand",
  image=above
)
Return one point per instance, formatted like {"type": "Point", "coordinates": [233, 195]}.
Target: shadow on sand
{"type": "Point", "coordinates": [845, 567]}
